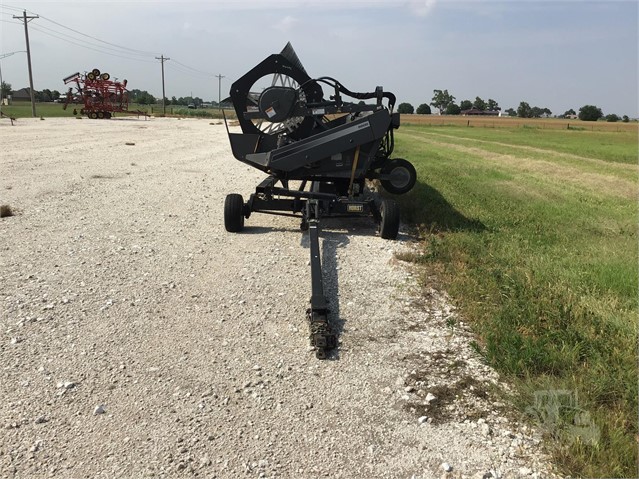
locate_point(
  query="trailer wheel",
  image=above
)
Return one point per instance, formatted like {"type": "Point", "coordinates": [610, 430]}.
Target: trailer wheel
{"type": "Point", "coordinates": [389, 226]}
{"type": "Point", "coordinates": [403, 176]}
{"type": "Point", "coordinates": [93, 115]}
{"type": "Point", "coordinates": [105, 76]}
{"type": "Point", "coordinates": [234, 213]}
{"type": "Point", "coordinates": [96, 72]}
{"type": "Point", "coordinates": [91, 76]}
{"type": "Point", "coordinates": [107, 115]}
{"type": "Point", "coordinates": [101, 115]}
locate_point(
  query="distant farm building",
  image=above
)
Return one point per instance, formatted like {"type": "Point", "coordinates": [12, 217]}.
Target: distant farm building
{"type": "Point", "coordinates": [24, 94]}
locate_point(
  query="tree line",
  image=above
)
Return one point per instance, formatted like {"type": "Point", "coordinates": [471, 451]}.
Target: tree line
{"type": "Point", "coordinates": [141, 97]}
{"type": "Point", "coordinates": [445, 103]}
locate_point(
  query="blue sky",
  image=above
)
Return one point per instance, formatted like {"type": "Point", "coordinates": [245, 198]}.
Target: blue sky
{"type": "Point", "coordinates": [553, 54]}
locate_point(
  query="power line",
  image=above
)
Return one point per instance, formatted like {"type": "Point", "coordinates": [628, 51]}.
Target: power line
{"type": "Point", "coordinates": [91, 48]}
{"type": "Point", "coordinates": [194, 69]}
{"type": "Point", "coordinates": [131, 50]}
{"type": "Point", "coordinates": [42, 28]}
{"type": "Point", "coordinates": [112, 49]}
{"type": "Point", "coordinates": [139, 52]}
{"type": "Point", "coordinates": [189, 73]}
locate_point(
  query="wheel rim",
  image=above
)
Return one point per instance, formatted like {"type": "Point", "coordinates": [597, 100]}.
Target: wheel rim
{"type": "Point", "coordinates": [400, 177]}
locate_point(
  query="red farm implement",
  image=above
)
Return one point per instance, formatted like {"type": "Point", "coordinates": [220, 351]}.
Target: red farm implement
{"type": "Point", "coordinates": [101, 97]}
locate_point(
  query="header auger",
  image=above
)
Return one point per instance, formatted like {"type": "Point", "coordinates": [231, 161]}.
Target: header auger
{"type": "Point", "coordinates": [329, 146]}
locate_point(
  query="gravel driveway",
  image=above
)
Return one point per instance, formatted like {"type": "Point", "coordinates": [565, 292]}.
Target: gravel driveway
{"type": "Point", "coordinates": [140, 339]}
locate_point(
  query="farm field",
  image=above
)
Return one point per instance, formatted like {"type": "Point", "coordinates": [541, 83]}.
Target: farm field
{"type": "Point", "coordinates": [533, 232]}
{"type": "Point", "coordinates": [514, 122]}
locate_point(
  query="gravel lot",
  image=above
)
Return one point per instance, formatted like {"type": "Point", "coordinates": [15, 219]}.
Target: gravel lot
{"type": "Point", "coordinates": [140, 339]}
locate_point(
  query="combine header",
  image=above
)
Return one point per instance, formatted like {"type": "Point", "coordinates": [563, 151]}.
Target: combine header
{"type": "Point", "coordinates": [329, 146]}
{"type": "Point", "coordinates": [101, 97]}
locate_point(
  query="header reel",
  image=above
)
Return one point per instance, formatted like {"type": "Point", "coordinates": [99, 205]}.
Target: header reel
{"type": "Point", "coordinates": [331, 146]}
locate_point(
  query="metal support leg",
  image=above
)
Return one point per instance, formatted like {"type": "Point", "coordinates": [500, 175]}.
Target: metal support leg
{"type": "Point", "coordinates": [321, 334]}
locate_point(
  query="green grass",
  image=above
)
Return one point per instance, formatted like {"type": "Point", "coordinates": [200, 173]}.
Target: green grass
{"type": "Point", "coordinates": [50, 110]}
{"type": "Point", "coordinates": [534, 233]}
{"type": "Point", "coordinates": [45, 110]}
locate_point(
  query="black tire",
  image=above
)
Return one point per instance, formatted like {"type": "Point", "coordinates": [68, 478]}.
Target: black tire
{"type": "Point", "coordinates": [403, 176]}
{"type": "Point", "coordinates": [91, 76]}
{"type": "Point", "coordinates": [93, 115]}
{"type": "Point", "coordinates": [234, 213]}
{"type": "Point", "coordinates": [389, 226]}
{"type": "Point", "coordinates": [100, 115]}
{"type": "Point", "coordinates": [105, 76]}
{"type": "Point", "coordinates": [96, 72]}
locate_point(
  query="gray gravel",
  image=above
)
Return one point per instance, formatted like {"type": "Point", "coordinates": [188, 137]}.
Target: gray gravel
{"type": "Point", "coordinates": [139, 339]}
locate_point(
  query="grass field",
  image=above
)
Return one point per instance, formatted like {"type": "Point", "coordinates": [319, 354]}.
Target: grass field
{"type": "Point", "coordinates": [533, 232]}
{"type": "Point", "coordinates": [50, 110]}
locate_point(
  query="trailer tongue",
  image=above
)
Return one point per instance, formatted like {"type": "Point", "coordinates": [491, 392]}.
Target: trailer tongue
{"type": "Point", "coordinates": [330, 146]}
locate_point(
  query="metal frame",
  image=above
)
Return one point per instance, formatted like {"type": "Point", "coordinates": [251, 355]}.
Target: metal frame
{"type": "Point", "coordinates": [101, 97]}
{"type": "Point", "coordinates": [291, 132]}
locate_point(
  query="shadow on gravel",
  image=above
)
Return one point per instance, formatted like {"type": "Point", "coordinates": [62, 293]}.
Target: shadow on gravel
{"type": "Point", "coordinates": [259, 230]}
{"type": "Point", "coordinates": [334, 235]}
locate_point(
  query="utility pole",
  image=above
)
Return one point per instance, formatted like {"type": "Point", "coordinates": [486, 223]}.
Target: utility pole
{"type": "Point", "coordinates": [162, 59]}
{"type": "Point", "coordinates": [26, 20]}
{"type": "Point", "coordinates": [219, 90]}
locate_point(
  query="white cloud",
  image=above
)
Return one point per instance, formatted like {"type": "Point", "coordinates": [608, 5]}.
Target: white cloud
{"type": "Point", "coordinates": [286, 24]}
{"type": "Point", "coordinates": [421, 7]}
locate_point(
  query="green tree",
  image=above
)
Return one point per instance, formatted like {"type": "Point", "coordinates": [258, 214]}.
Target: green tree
{"type": "Point", "coordinates": [441, 100]}
{"type": "Point", "coordinates": [612, 118]}
{"type": "Point", "coordinates": [479, 104]}
{"type": "Point", "coordinates": [590, 113]}
{"type": "Point", "coordinates": [5, 89]}
{"type": "Point", "coordinates": [423, 109]}
{"type": "Point", "coordinates": [405, 108]}
{"type": "Point", "coordinates": [535, 112]}
{"type": "Point", "coordinates": [453, 109]}
{"type": "Point", "coordinates": [524, 110]}
{"type": "Point", "coordinates": [466, 105]}
{"type": "Point", "coordinates": [492, 105]}
{"type": "Point", "coordinates": [44, 95]}
{"type": "Point", "coordinates": [569, 112]}
{"type": "Point", "coordinates": [174, 101]}
{"type": "Point", "coordinates": [55, 94]}
{"type": "Point", "coordinates": [511, 112]}
{"type": "Point", "coordinates": [625, 119]}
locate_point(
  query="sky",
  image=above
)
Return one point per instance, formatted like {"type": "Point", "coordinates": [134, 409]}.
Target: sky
{"type": "Point", "coordinates": [549, 53]}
